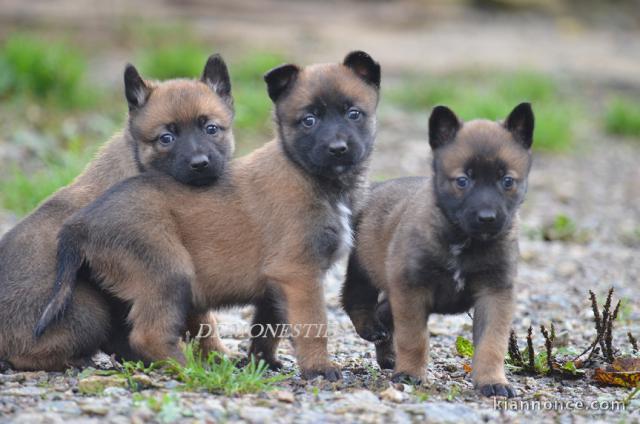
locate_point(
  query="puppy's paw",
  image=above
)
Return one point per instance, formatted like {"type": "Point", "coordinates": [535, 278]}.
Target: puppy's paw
{"type": "Point", "coordinates": [329, 373]}
{"type": "Point", "coordinates": [386, 362]}
{"type": "Point", "coordinates": [497, 389]}
{"type": "Point", "coordinates": [374, 332]}
{"type": "Point", "coordinates": [385, 356]}
{"type": "Point", "coordinates": [405, 378]}
{"type": "Point", "coordinates": [4, 366]}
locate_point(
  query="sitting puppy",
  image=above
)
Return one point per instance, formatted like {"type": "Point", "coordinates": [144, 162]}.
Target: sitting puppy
{"type": "Point", "coordinates": [265, 234]}
{"type": "Point", "coordinates": [444, 245]}
{"type": "Point", "coordinates": [177, 127]}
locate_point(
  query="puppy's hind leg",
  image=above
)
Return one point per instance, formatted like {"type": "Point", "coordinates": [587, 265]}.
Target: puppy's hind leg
{"type": "Point", "coordinates": [359, 300]}
{"type": "Point", "coordinates": [267, 328]}
{"type": "Point", "coordinates": [71, 340]}
{"type": "Point", "coordinates": [385, 355]}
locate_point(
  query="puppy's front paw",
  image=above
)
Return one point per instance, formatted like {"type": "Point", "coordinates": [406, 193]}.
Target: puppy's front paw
{"type": "Point", "coordinates": [405, 378]}
{"type": "Point", "coordinates": [330, 373]}
{"type": "Point", "coordinates": [374, 332]}
{"type": "Point", "coordinates": [497, 389]}
{"type": "Point", "coordinates": [385, 355]}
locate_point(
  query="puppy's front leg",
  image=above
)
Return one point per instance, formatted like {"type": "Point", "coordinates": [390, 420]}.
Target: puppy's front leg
{"type": "Point", "coordinates": [409, 307]}
{"type": "Point", "coordinates": [307, 317]}
{"type": "Point", "coordinates": [493, 312]}
{"type": "Point", "coordinates": [203, 327]}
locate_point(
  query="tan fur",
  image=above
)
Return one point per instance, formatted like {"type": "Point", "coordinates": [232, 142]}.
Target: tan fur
{"type": "Point", "coordinates": [28, 252]}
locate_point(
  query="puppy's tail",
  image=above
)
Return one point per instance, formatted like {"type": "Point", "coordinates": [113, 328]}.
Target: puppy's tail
{"type": "Point", "coordinates": [68, 261]}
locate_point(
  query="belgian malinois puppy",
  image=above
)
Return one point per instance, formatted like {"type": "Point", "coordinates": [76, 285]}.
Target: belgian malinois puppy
{"type": "Point", "coordinates": [444, 245]}
{"type": "Point", "coordinates": [177, 127]}
{"type": "Point", "coordinates": [265, 234]}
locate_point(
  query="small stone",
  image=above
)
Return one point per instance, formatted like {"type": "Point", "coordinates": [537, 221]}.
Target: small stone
{"type": "Point", "coordinates": [115, 392]}
{"type": "Point", "coordinates": [567, 269]}
{"type": "Point", "coordinates": [102, 361]}
{"type": "Point", "coordinates": [28, 391]}
{"type": "Point", "coordinates": [256, 414]}
{"type": "Point", "coordinates": [62, 407]}
{"type": "Point", "coordinates": [96, 384]}
{"type": "Point", "coordinates": [285, 396]}
{"type": "Point", "coordinates": [6, 378]}
{"type": "Point", "coordinates": [143, 381]}
{"type": "Point", "coordinates": [393, 395]}
{"type": "Point", "coordinates": [94, 408]}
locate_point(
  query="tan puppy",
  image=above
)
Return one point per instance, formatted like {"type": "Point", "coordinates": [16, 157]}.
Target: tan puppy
{"type": "Point", "coordinates": [266, 234]}
{"type": "Point", "coordinates": [28, 251]}
{"type": "Point", "coordinates": [444, 245]}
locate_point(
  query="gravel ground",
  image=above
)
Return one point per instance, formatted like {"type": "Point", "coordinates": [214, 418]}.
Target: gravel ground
{"type": "Point", "coordinates": [552, 287]}
{"type": "Point", "coordinates": [596, 185]}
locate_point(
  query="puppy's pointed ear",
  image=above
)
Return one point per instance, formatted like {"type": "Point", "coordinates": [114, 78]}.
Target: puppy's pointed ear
{"type": "Point", "coordinates": [280, 79]}
{"type": "Point", "coordinates": [216, 76]}
{"type": "Point", "coordinates": [520, 123]}
{"type": "Point", "coordinates": [136, 90]}
{"type": "Point", "coordinates": [443, 126]}
{"type": "Point", "coordinates": [364, 66]}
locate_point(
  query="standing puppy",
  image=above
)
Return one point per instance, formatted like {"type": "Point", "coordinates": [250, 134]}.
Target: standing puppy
{"type": "Point", "coordinates": [265, 234]}
{"type": "Point", "coordinates": [444, 245]}
{"type": "Point", "coordinates": [154, 138]}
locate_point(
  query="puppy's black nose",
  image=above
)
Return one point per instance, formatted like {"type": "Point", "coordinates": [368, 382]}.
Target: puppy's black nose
{"type": "Point", "coordinates": [338, 148]}
{"type": "Point", "coordinates": [198, 163]}
{"type": "Point", "coordinates": [486, 216]}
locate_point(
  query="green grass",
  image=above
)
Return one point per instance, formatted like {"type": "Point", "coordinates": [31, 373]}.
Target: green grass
{"type": "Point", "coordinates": [218, 374]}
{"type": "Point", "coordinates": [622, 117]}
{"type": "Point", "coordinates": [21, 192]}
{"type": "Point", "coordinates": [493, 96]}
{"type": "Point", "coordinates": [47, 70]}
{"type": "Point", "coordinates": [173, 61]}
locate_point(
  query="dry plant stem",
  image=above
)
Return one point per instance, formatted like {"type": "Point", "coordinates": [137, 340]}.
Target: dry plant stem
{"type": "Point", "coordinates": [532, 362]}
{"type": "Point", "coordinates": [514, 352]}
{"type": "Point", "coordinates": [548, 343]}
{"type": "Point", "coordinates": [633, 341]}
{"type": "Point", "coordinates": [609, 333]}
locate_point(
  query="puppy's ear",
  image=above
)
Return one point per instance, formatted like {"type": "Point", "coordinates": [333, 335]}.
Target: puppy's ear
{"type": "Point", "coordinates": [364, 66]}
{"type": "Point", "coordinates": [520, 123]}
{"type": "Point", "coordinates": [136, 89]}
{"type": "Point", "coordinates": [443, 126]}
{"type": "Point", "coordinates": [280, 79]}
{"type": "Point", "coordinates": [216, 76]}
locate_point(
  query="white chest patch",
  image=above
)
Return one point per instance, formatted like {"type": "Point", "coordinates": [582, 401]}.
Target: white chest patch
{"type": "Point", "coordinates": [346, 232]}
{"type": "Point", "coordinates": [455, 266]}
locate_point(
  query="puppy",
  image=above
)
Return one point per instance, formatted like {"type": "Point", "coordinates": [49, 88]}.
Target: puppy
{"type": "Point", "coordinates": [154, 138]}
{"type": "Point", "coordinates": [444, 245]}
{"type": "Point", "coordinates": [266, 234]}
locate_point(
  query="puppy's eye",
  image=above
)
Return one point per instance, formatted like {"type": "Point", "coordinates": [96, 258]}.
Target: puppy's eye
{"type": "Point", "coordinates": [508, 182]}
{"type": "Point", "coordinates": [212, 129]}
{"type": "Point", "coordinates": [354, 114]}
{"type": "Point", "coordinates": [166, 139]}
{"type": "Point", "coordinates": [309, 121]}
{"type": "Point", "coordinates": [462, 182]}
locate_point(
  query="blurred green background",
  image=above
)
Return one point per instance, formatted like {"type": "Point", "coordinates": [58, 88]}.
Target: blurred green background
{"type": "Point", "coordinates": [60, 69]}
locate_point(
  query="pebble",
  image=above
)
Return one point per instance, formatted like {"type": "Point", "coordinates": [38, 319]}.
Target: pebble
{"type": "Point", "coordinates": [27, 391]}
{"type": "Point", "coordinates": [256, 414]}
{"type": "Point", "coordinates": [285, 396]}
{"type": "Point", "coordinates": [94, 408]}
{"type": "Point", "coordinates": [392, 395]}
